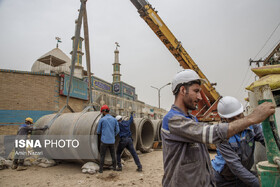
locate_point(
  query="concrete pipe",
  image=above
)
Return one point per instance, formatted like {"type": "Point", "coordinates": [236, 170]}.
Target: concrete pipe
{"type": "Point", "coordinates": [157, 129]}
{"type": "Point", "coordinates": [79, 126]}
{"type": "Point", "coordinates": [145, 134]}
{"type": "Point", "coordinates": [134, 134]}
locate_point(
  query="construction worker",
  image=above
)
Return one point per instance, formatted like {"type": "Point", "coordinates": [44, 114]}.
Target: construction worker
{"type": "Point", "coordinates": [235, 157]}
{"type": "Point", "coordinates": [22, 134]}
{"type": "Point", "coordinates": [108, 127]}
{"type": "Point", "coordinates": [185, 155]}
{"type": "Point", "coordinates": [126, 142]}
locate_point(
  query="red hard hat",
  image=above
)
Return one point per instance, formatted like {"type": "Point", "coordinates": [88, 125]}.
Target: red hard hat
{"type": "Point", "coordinates": [104, 107]}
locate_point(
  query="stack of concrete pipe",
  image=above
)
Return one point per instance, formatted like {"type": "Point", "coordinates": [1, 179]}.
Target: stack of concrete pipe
{"type": "Point", "coordinates": [157, 124]}
{"type": "Point", "coordinates": [85, 125]}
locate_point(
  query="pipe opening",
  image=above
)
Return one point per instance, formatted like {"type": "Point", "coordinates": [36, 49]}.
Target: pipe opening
{"type": "Point", "coordinates": [147, 134]}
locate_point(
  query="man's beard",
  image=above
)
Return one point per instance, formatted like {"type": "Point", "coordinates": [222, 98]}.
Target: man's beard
{"type": "Point", "coordinates": [189, 106]}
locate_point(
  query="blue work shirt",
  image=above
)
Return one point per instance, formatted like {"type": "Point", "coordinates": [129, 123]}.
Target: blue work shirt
{"type": "Point", "coordinates": [235, 158]}
{"type": "Point", "coordinates": [125, 127]}
{"type": "Point", "coordinates": [108, 127]}
{"type": "Point", "coordinates": [186, 159]}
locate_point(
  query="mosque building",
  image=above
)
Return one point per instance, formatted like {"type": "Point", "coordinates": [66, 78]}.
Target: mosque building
{"type": "Point", "coordinates": [43, 91]}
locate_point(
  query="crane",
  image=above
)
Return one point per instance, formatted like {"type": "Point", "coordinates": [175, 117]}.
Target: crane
{"type": "Point", "coordinates": [210, 97]}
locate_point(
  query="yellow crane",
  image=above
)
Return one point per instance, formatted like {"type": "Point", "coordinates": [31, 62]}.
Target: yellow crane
{"type": "Point", "coordinates": [209, 103]}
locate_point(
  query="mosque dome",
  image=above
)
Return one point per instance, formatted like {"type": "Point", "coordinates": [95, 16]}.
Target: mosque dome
{"type": "Point", "coordinates": [55, 61]}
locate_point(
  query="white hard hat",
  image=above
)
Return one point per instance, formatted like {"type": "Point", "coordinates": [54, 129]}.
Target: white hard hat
{"type": "Point", "coordinates": [118, 117]}
{"type": "Point", "coordinates": [229, 107]}
{"type": "Point", "coordinates": [184, 76]}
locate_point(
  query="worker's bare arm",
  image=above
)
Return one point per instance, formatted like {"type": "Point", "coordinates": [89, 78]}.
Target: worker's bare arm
{"type": "Point", "coordinates": [259, 114]}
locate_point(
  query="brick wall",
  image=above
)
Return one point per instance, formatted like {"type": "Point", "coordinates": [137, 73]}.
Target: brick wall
{"type": "Point", "coordinates": [26, 94]}
{"type": "Point", "coordinates": [8, 129]}
{"type": "Point", "coordinates": [22, 91]}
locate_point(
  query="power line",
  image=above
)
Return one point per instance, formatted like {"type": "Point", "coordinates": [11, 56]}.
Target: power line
{"type": "Point", "coordinates": [272, 48]}
{"type": "Point", "coordinates": [238, 91]}
{"type": "Point", "coordinates": [267, 52]}
{"type": "Point", "coordinates": [267, 40]}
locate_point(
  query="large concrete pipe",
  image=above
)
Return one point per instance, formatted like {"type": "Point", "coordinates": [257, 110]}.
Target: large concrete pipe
{"type": "Point", "coordinates": [145, 134]}
{"type": "Point", "coordinates": [155, 123]}
{"type": "Point", "coordinates": [80, 126]}
{"type": "Point", "coordinates": [157, 129]}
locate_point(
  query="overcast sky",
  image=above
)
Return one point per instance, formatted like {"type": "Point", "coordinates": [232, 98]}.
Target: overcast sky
{"type": "Point", "coordinates": [220, 35]}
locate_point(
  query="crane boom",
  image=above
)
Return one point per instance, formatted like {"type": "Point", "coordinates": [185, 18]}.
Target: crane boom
{"type": "Point", "coordinates": [151, 17]}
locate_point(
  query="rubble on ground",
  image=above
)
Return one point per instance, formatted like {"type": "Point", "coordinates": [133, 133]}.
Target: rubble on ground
{"type": "Point", "coordinates": [32, 160]}
{"type": "Point", "coordinates": [45, 163]}
{"type": "Point", "coordinates": [90, 168]}
{"type": "Point", "coordinates": [4, 164]}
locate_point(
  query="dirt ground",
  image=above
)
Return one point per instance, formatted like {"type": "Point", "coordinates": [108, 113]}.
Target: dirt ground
{"type": "Point", "coordinates": [70, 174]}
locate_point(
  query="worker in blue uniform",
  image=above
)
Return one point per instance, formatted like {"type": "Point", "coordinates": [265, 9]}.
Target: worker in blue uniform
{"type": "Point", "coordinates": [186, 159]}
{"type": "Point", "coordinates": [235, 157]}
{"type": "Point", "coordinates": [126, 141]}
{"type": "Point", "coordinates": [108, 127]}
{"type": "Point", "coordinates": [22, 134]}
